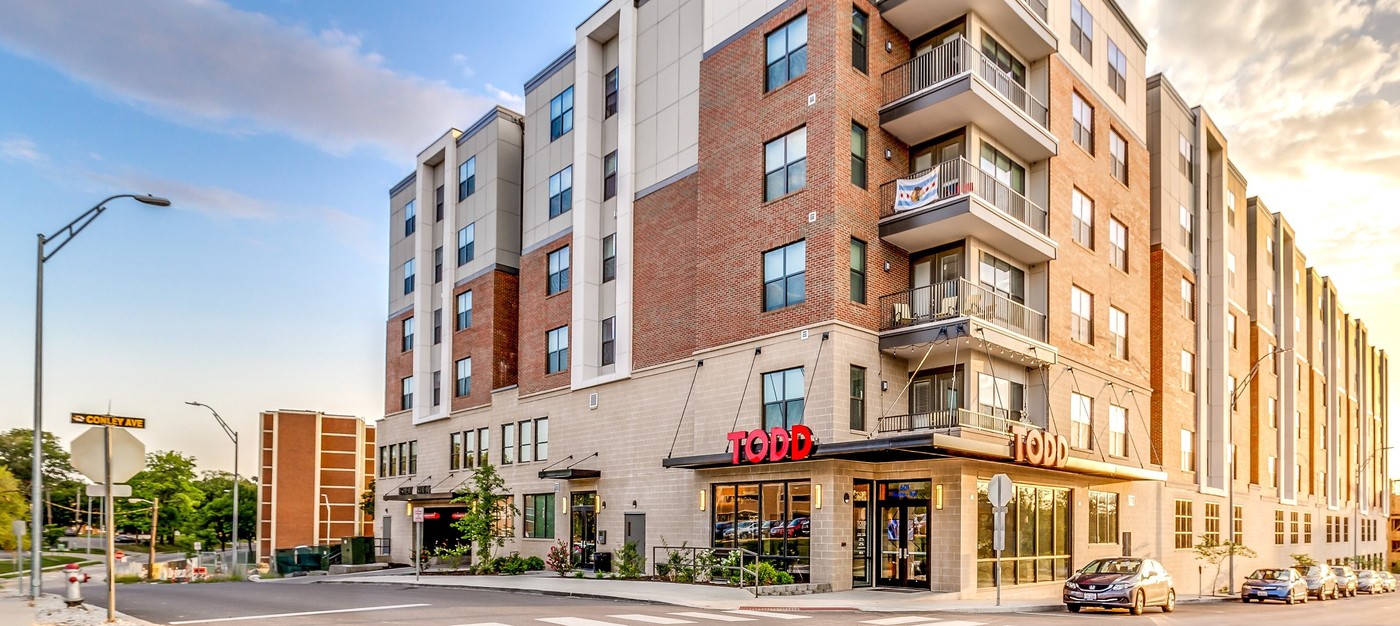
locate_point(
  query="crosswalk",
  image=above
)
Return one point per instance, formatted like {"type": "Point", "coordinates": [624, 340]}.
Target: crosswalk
{"type": "Point", "coordinates": [711, 617]}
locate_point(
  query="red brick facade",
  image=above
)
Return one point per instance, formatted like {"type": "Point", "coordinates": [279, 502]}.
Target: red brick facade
{"type": "Point", "coordinates": [398, 364]}
{"type": "Point", "coordinates": [664, 271]}
{"type": "Point", "coordinates": [490, 340]}
{"type": "Point", "coordinates": [541, 312]}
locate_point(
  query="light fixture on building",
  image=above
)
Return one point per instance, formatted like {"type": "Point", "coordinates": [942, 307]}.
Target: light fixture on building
{"type": "Point", "coordinates": [702, 499]}
{"type": "Point", "coordinates": [889, 46]}
{"type": "Point", "coordinates": [634, 504]}
{"type": "Point", "coordinates": [846, 498]}
{"type": "Point", "coordinates": [884, 385]}
{"type": "Point", "coordinates": [887, 266]}
{"type": "Point", "coordinates": [817, 496]}
{"type": "Point", "coordinates": [888, 154]}
{"type": "Point", "coordinates": [938, 497]}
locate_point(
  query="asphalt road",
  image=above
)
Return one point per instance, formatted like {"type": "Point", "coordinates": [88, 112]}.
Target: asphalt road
{"type": "Point", "coordinates": [331, 603]}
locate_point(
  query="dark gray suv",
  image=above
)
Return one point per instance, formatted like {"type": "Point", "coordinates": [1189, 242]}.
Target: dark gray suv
{"type": "Point", "coordinates": [1121, 583]}
{"type": "Point", "coordinates": [1322, 583]}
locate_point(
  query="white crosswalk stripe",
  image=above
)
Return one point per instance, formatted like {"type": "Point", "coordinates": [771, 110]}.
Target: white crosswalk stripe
{"type": "Point", "coordinates": [484, 624]}
{"type": "Point", "coordinates": [576, 621]}
{"type": "Point", "coordinates": [905, 619]}
{"type": "Point", "coordinates": [651, 619]}
{"type": "Point", "coordinates": [718, 617]}
{"type": "Point", "coordinates": [772, 614]}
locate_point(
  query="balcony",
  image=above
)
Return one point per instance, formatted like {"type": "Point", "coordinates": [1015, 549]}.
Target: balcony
{"type": "Point", "coordinates": [960, 316]}
{"type": "Point", "coordinates": [1023, 24]}
{"type": "Point", "coordinates": [955, 85]}
{"type": "Point", "coordinates": [970, 203]}
{"type": "Point", "coordinates": [997, 421]}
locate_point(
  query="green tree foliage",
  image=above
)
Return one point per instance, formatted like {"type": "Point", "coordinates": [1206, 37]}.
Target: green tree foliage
{"type": "Point", "coordinates": [169, 476]}
{"type": "Point", "coordinates": [367, 499]}
{"type": "Point", "coordinates": [13, 506]}
{"type": "Point", "coordinates": [61, 484]}
{"type": "Point", "coordinates": [213, 521]}
{"type": "Point", "coordinates": [488, 505]}
{"type": "Point", "coordinates": [1212, 551]}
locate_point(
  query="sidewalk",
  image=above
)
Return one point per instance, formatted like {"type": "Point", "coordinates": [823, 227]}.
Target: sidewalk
{"type": "Point", "coordinates": [15, 609]}
{"type": "Point", "coordinates": [716, 597]}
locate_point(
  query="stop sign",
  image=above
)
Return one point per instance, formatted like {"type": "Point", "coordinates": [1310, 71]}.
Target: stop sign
{"type": "Point", "coordinates": [89, 451]}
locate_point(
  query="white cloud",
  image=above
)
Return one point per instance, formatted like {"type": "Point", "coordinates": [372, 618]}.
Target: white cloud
{"type": "Point", "coordinates": [19, 148]}
{"type": "Point", "coordinates": [505, 97]}
{"type": "Point", "coordinates": [460, 60]}
{"type": "Point", "coordinates": [205, 64]}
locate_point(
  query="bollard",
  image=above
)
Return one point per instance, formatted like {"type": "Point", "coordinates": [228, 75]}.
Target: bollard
{"type": "Point", "coordinates": [76, 577]}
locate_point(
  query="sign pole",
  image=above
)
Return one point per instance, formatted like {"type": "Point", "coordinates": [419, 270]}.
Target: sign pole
{"type": "Point", "coordinates": [19, 527]}
{"type": "Point", "coordinates": [417, 542]}
{"type": "Point", "coordinates": [107, 506]}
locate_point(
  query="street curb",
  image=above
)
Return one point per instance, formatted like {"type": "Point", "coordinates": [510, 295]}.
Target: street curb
{"type": "Point", "coordinates": [537, 592]}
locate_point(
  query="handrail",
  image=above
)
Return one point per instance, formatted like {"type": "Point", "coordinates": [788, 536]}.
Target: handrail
{"type": "Point", "coordinates": [959, 298]}
{"type": "Point", "coordinates": [958, 177]}
{"type": "Point", "coordinates": [955, 418]}
{"type": "Point", "coordinates": [954, 58]}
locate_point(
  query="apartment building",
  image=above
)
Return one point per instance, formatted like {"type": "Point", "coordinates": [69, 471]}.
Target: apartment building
{"type": "Point", "coordinates": [800, 278]}
{"type": "Point", "coordinates": [313, 467]}
{"type": "Point", "coordinates": [1270, 400]}
{"type": "Point", "coordinates": [1393, 554]}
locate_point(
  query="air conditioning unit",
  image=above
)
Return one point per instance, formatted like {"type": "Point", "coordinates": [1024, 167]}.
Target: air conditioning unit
{"type": "Point", "coordinates": [592, 401]}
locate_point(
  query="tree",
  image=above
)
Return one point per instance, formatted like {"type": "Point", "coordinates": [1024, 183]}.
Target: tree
{"type": "Point", "coordinates": [213, 521]}
{"type": "Point", "coordinates": [1304, 559]}
{"type": "Point", "coordinates": [169, 476]}
{"type": "Point", "coordinates": [489, 511]}
{"type": "Point", "coordinates": [60, 479]}
{"type": "Point", "coordinates": [367, 499]}
{"type": "Point", "coordinates": [1213, 552]}
{"type": "Point", "coordinates": [13, 506]}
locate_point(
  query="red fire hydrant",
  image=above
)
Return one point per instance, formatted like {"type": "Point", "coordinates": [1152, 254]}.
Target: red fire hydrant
{"type": "Point", "coordinates": [76, 576]}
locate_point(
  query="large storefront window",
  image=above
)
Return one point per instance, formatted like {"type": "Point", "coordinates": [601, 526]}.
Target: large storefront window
{"type": "Point", "coordinates": [772, 520]}
{"type": "Point", "coordinates": [1037, 536]}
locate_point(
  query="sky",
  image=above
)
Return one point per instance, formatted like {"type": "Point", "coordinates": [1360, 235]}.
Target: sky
{"type": "Point", "coordinates": [277, 128]}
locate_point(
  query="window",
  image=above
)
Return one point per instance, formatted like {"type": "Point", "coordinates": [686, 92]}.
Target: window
{"type": "Point", "coordinates": [1117, 244]}
{"type": "Point", "coordinates": [466, 244]}
{"type": "Point", "coordinates": [527, 441]}
{"type": "Point", "coordinates": [1230, 269]}
{"type": "Point", "coordinates": [561, 113]}
{"type": "Point", "coordinates": [561, 191]}
{"type": "Point", "coordinates": [478, 446]}
{"type": "Point", "coordinates": [438, 196]}
{"type": "Point", "coordinates": [1081, 30]}
{"type": "Point", "coordinates": [557, 350]}
{"type": "Point", "coordinates": [1212, 534]}
{"type": "Point", "coordinates": [409, 273]}
{"type": "Point", "coordinates": [464, 377]}
{"type": "Point", "coordinates": [1273, 412]}
{"type": "Point", "coordinates": [466, 179]}
{"type": "Point", "coordinates": [1083, 123]}
{"type": "Point", "coordinates": [1188, 451]}
{"type": "Point", "coordinates": [539, 515]}
{"type": "Point", "coordinates": [1188, 299]}
{"type": "Point", "coordinates": [410, 218]}
{"type": "Point", "coordinates": [412, 457]}
{"type": "Point", "coordinates": [1188, 221]}
{"type": "Point", "coordinates": [464, 310]}
{"type": "Point", "coordinates": [1238, 521]}
{"type": "Point", "coordinates": [1083, 210]}
{"type": "Point", "coordinates": [860, 24]}
{"type": "Point", "coordinates": [1188, 371]}
{"type": "Point", "coordinates": [787, 53]}
{"type": "Point", "coordinates": [437, 265]}
{"type": "Point", "coordinates": [609, 258]}
{"type": "Point", "coordinates": [1293, 527]}
{"type": "Point", "coordinates": [1230, 212]}
{"type": "Point", "coordinates": [1000, 57]}
{"type": "Point", "coordinates": [542, 439]}
{"type": "Point", "coordinates": [1038, 536]}
{"type": "Point", "coordinates": [1081, 421]}
{"type": "Point", "coordinates": [1230, 329]}
{"type": "Point", "coordinates": [1117, 70]}
{"type": "Point", "coordinates": [507, 444]}
{"type": "Point", "coordinates": [765, 506]}
{"type": "Point", "coordinates": [1117, 430]}
{"type": "Point", "coordinates": [1001, 278]}
{"type": "Point", "coordinates": [558, 271]}
{"type": "Point", "coordinates": [1186, 161]}
{"type": "Point", "coordinates": [383, 462]}
{"type": "Point", "coordinates": [999, 166]}
{"type": "Point", "coordinates": [1117, 156]}
{"type": "Point", "coordinates": [1103, 517]}
{"type": "Point", "coordinates": [857, 271]}
{"type": "Point", "coordinates": [785, 276]}
{"type": "Point", "coordinates": [610, 175]}
{"type": "Point", "coordinates": [858, 155]}
{"type": "Point", "coordinates": [407, 334]}
{"type": "Point", "coordinates": [1118, 329]}
{"type": "Point", "coordinates": [1273, 472]}
{"type": "Point", "coordinates": [857, 398]}
{"type": "Point", "coordinates": [782, 398]}
{"type": "Point", "coordinates": [437, 326]}
{"type": "Point", "coordinates": [1081, 315]}
{"type": "Point", "coordinates": [1183, 525]}
{"type": "Point", "coordinates": [610, 94]}
{"type": "Point", "coordinates": [785, 164]}
{"type": "Point", "coordinates": [1279, 528]}
{"type": "Point", "coordinates": [609, 340]}
{"type": "Point", "coordinates": [406, 395]}
{"type": "Point", "coordinates": [437, 388]}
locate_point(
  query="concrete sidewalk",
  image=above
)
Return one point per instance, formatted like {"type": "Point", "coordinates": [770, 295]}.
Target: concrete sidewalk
{"type": "Point", "coordinates": [15, 609]}
{"type": "Point", "coordinates": [716, 597]}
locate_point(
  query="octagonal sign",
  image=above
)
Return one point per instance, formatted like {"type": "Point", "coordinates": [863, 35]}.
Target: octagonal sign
{"type": "Point", "coordinates": [88, 452]}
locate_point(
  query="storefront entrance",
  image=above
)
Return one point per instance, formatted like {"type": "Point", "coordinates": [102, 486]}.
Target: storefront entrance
{"type": "Point", "coordinates": [583, 527]}
{"type": "Point", "coordinates": [904, 508]}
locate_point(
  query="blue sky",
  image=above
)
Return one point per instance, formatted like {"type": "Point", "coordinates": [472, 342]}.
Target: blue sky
{"type": "Point", "coordinates": [277, 129]}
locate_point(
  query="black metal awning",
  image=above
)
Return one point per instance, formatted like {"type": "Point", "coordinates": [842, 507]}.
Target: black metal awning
{"type": "Point", "coordinates": [414, 497]}
{"type": "Point", "coordinates": [569, 473]}
{"type": "Point", "coordinates": [899, 448]}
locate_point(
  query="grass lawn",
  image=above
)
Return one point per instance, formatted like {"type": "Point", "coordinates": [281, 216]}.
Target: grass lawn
{"type": "Point", "coordinates": [7, 567]}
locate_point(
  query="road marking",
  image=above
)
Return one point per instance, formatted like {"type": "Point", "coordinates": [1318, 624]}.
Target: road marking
{"type": "Point", "coordinates": [485, 624]}
{"type": "Point", "coordinates": [718, 617]}
{"type": "Point", "coordinates": [772, 614]}
{"type": "Point", "coordinates": [907, 619]}
{"type": "Point", "coordinates": [576, 621]}
{"type": "Point", "coordinates": [960, 623]}
{"type": "Point", "coordinates": [652, 619]}
{"type": "Point", "coordinates": [301, 614]}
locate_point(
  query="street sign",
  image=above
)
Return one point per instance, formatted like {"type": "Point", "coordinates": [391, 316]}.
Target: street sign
{"type": "Point", "coordinates": [999, 490]}
{"type": "Point", "coordinates": [418, 515]}
{"type": "Point", "coordinates": [19, 528]}
{"type": "Point", "coordinates": [88, 454]}
{"type": "Point", "coordinates": [108, 420]}
{"type": "Point", "coordinates": [118, 491]}
{"type": "Point", "coordinates": [999, 528]}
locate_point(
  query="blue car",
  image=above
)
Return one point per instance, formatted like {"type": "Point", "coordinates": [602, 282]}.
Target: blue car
{"type": "Point", "coordinates": [1283, 584]}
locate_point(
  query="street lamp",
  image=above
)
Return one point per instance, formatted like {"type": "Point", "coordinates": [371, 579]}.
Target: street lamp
{"type": "Point", "coordinates": [1235, 394]}
{"type": "Point", "coordinates": [36, 475]}
{"type": "Point", "coordinates": [155, 516]}
{"type": "Point", "coordinates": [232, 434]}
{"type": "Point", "coordinates": [1356, 507]}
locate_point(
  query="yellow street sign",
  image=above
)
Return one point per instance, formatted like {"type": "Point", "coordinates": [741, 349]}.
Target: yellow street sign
{"type": "Point", "coordinates": [109, 420]}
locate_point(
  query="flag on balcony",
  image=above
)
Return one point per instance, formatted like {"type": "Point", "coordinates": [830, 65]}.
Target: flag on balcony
{"type": "Point", "coordinates": [912, 193]}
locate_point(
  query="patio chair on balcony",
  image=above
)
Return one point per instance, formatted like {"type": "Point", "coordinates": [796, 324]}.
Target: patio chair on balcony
{"type": "Point", "coordinates": [947, 309]}
{"type": "Point", "coordinates": [903, 316]}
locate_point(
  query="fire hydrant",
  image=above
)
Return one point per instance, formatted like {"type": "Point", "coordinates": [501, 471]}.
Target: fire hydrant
{"type": "Point", "coordinates": [76, 576]}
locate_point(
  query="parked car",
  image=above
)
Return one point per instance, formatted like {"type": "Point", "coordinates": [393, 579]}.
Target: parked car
{"type": "Point", "coordinates": [724, 530]}
{"type": "Point", "coordinates": [746, 529]}
{"type": "Point", "coordinates": [1346, 580]}
{"type": "Point", "coordinates": [775, 528]}
{"type": "Point", "coordinates": [1368, 581]}
{"type": "Point", "coordinates": [124, 539]}
{"type": "Point", "coordinates": [1322, 583]}
{"type": "Point", "coordinates": [1389, 579]}
{"type": "Point", "coordinates": [1120, 583]}
{"type": "Point", "coordinates": [800, 527]}
{"type": "Point", "coordinates": [1282, 583]}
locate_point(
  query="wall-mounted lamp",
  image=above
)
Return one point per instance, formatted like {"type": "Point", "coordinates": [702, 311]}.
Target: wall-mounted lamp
{"type": "Point", "coordinates": [938, 497]}
{"type": "Point", "coordinates": [846, 498]}
{"type": "Point", "coordinates": [888, 154]}
{"type": "Point", "coordinates": [634, 504]}
{"type": "Point", "coordinates": [702, 499]}
{"type": "Point", "coordinates": [887, 266]}
{"type": "Point", "coordinates": [408, 509]}
{"type": "Point", "coordinates": [889, 46]}
{"type": "Point", "coordinates": [817, 496]}
{"type": "Point", "coordinates": [884, 385]}
{"type": "Point", "coordinates": [602, 504]}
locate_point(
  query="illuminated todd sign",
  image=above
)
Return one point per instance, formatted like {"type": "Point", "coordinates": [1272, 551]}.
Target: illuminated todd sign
{"type": "Point", "coordinates": [776, 444]}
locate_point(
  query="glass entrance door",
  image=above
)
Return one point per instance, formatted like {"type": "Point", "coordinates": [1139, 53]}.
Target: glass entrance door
{"type": "Point", "coordinates": [583, 527]}
{"type": "Point", "coordinates": [861, 552]}
{"type": "Point", "coordinates": [904, 509]}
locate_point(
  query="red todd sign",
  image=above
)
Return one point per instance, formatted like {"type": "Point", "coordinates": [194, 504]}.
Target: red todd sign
{"type": "Point", "coordinates": [777, 444]}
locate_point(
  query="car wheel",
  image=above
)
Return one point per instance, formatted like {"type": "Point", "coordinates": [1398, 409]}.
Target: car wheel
{"type": "Point", "coordinates": [1139, 603]}
{"type": "Point", "coordinates": [1073, 608]}
{"type": "Point", "coordinates": [1244, 600]}
{"type": "Point", "coordinates": [1171, 601]}
{"type": "Point", "coordinates": [1288, 600]}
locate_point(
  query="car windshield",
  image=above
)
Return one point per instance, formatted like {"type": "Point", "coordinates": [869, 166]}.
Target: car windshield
{"type": "Point", "coordinates": [1269, 574]}
{"type": "Point", "coordinates": [1339, 571]}
{"type": "Point", "coordinates": [1113, 566]}
{"type": "Point", "coordinates": [1310, 570]}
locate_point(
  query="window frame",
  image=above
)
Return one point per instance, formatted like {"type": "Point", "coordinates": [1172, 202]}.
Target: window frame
{"type": "Point", "coordinates": [410, 274]}
{"type": "Point", "coordinates": [1081, 30]}
{"type": "Point", "coordinates": [1188, 371]}
{"type": "Point", "coordinates": [557, 279]}
{"type": "Point", "coordinates": [538, 515]}
{"type": "Point", "coordinates": [466, 179]}
{"type": "Point", "coordinates": [410, 218]}
{"type": "Point", "coordinates": [561, 197]}
{"type": "Point", "coordinates": [860, 40]}
{"type": "Point", "coordinates": [557, 350]}
{"type": "Point", "coordinates": [1117, 70]}
{"type": "Point", "coordinates": [857, 397]}
{"type": "Point", "coordinates": [781, 382]}
{"type": "Point", "coordinates": [466, 244]}
{"type": "Point", "coordinates": [1118, 330]}
{"type": "Point", "coordinates": [787, 56]}
{"type": "Point", "coordinates": [610, 91]}
{"type": "Point", "coordinates": [561, 113]}
{"type": "Point", "coordinates": [463, 384]}
{"type": "Point", "coordinates": [788, 167]}
{"type": "Point", "coordinates": [1082, 114]}
{"type": "Point", "coordinates": [1081, 315]}
{"type": "Point", "coordinates": [787, 278]}
{"type": "Point", "coordinates": [1117, 430]}
{"type": "Point", "coordinates": [608, 342]}
{"type": "Point", "coordinates": [406, 393]}
{"type": "Point", "coordinates": [860, 151]}
{"type": "Point", "coordinates": [610, 175]}
{"type": "Point", "coordinates": [464, 314]}
{"type": "Point", "coordinates": [609, 257]}
{"type": "Point", "coordinates": [1117, 156]}
{"type": "Point", "coordinates": [1081, 408]}
{"type": "Point", "coordinates": [859, 276]}
{"type": "Point", "coordinates": [1183, 518]}
{"type": "Point", "coordinates": [1082, 218]}
{"type": "Point", "coordinates": [1103, 525]}
{"type": "Point", "coordinates": [1188, 450]}
{"type": "Point", "coordinates": [1117, 244]}
{"type": "Point", "coordinates": [406, 328]}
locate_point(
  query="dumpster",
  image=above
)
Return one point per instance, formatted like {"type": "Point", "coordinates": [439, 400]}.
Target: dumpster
{"type": "Point", "coordinates": [602, 562]}
{"type": "Point", "coordinates": [356, 550]}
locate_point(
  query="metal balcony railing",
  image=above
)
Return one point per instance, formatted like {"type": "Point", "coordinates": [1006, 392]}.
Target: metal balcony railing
{"type": "Point", "coordinates": [1039, 7]}
{"type": "Point", "coordinates": [953, 58]}
{"type": "Point", "coordinates": [957, 177]}
{"type": "Point", "coordinates": [955, 418]}
{"type": "Point", "coordinates": [959, 298]}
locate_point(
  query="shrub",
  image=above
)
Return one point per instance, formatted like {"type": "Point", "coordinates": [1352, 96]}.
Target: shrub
{"type": "Point", "coordinates": [452, 557]}
{"type": "Point", "coordinates": [558, 558]}
{"type": "Point", "coordinates": [631, 562]}
{"type": "Point", "coordinates": [534, 564]}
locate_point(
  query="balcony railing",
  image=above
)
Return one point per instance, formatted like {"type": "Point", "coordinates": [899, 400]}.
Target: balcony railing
{"type": "Point", "coordinates": [957, 177]}
{"type": "Point", "coordinates": [955, 418]}
{"type": "Point", "coordinates": [1040, 7]}
{"type": "Point", "coordinates": [951, 59]}
{"type": "Point", "coordinates": [959, 298]}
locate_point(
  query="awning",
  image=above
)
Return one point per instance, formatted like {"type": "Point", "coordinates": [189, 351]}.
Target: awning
{"type": "Point", "coordinates": [570, 473]}
{"type": "Point", "coordinates": [414, 497]}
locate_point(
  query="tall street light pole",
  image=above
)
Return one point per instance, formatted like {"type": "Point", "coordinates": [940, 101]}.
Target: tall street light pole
{"type": "Point", "coordinates": [1356, 507]}
{"type": "Point", "coordinates": [1235, 394]}
{"type": "Point", "coordinates": [233, 435]}
{"type": "Point", "coordinates": [61, 238]}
